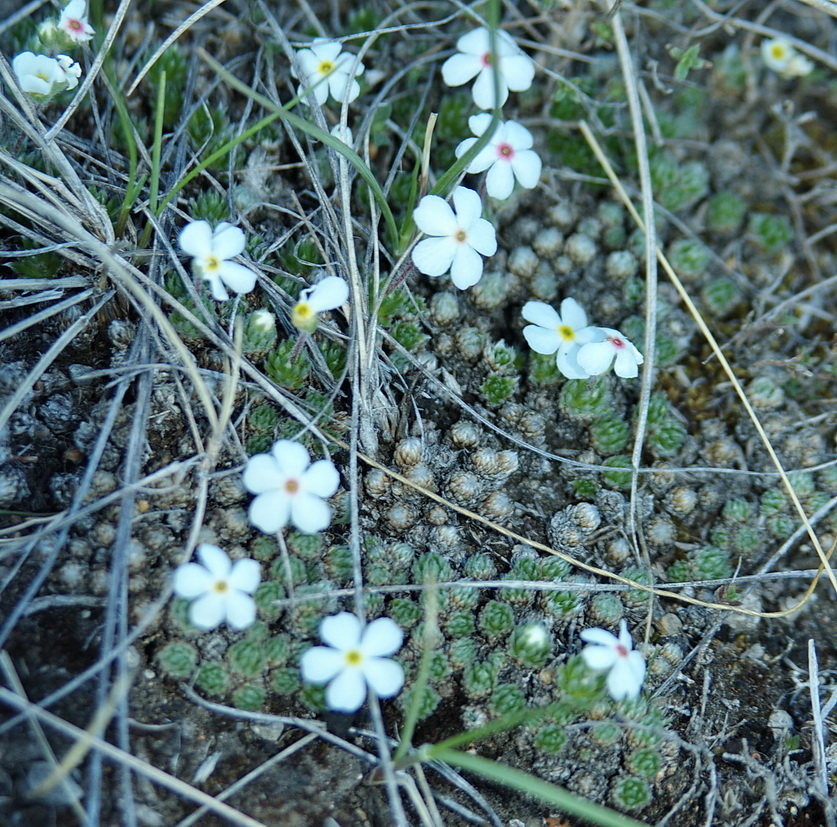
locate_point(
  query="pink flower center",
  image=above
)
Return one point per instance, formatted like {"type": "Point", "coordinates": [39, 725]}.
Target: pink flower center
{"type": "Point", "coordinates": [461, 236]}
{"type": "Point", "coordinates": [75, 25]}
{"type": "Point", "coordinates": [487, 60]}
{"type": "Point", "coordinates": [291, 487]}
{"type": "Point", "coordinates": [617, 342]}
{"type": "Point", "coordinates": [621, 650]}
{"type": "Point", "coordinates": [505, 152]}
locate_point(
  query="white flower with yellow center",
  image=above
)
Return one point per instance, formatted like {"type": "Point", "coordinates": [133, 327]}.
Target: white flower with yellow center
{"type": "Point", "coordinates": [290, 489]}
{"type": "Point", "coordinates": [458, 239]}
{"type": "Point", "coordinates": [44, 77]}
{"type": "Point", "coordinates": [219, 588]}
{"type": "Point", "coordinates": [326, 68]}
{"type": "Point", "coordinates": [210, 250]}
{"type": "Point", "coordinates": [355, 657]}
{"type": "Point", "coordinates": [562, 334]}
{"type": "Point", "coordinates": [327, 295]}
{"type": "Point", "coordinates": [779, 55]}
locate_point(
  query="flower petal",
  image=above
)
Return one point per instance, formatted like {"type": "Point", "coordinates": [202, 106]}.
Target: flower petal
{"type": "Point", "coordinates": [626, 365]}
{"type": "Point", "coordinates": [237, 277]}
{"type": "Point", "coordinates": [191, 581]}
{"type": "Point", "coordinates": [309, 513]}
{"type": "Point", "coordinates": [385, 676]}
{"type": "Point", "coordinates": [518, 72]}
{"type": "Point", "coordinates": [216, 560]}
{"type": "Point", "coordinates": [468, 207]}
{"type": "Point", "coordinates": [527, 167]}
{"type": "Point", "coordinates": [270, 512]}
{"type": "Point", "coordinates": [347, 692]}
{"type": "Point", "coordinates": [320, 664]}
{"type": "Point", "coordinates": [479, 123]}
{"type": "Point", "coordinates": [433, 256]}
{"type": "Point", "coordinates": [241, 609]}
{"type": "Point", "coordinates": [596, 357]}
{"type": "Point", "coordinates": [600, 637]}
{"type": "Point", "coordinates": [518, 136]}
{"type": "Point", "coordinates": [434, 216]}
{"type": "Point", "coordinates": [328, 294]}
{"type": "Point", "coordinates": [245, 575]}
{"type": "Point", "coordinates": [195, 239]}
{"type": "Point", "coordinates": [227, 240]}
{"type": "Point", "coordinates": [208, 612]}
{"type": "Point", "coordinates": [499, 183]}
{"type": "Point", "coordinates": [262, 474]}
{"type": "Point", "coordinates": [476, 42]}
{"type": "Point", "coordinates": [599, 657]}
{"type": "Point", "coordinates": [321, 478]}
{"type": "Point", "coordinates": [342, 631]}
{"type": "Point", "coordinates": [541, 314]}
{"type": "Point", "coordinates": [459, 69]}
{"type": "Point", "coordinates": [568, 365]}
{"type": "Point", "coordinates": [382, 637]}
{"type": "Point", "coordinates": [572, 314]}
{"type": "Point", "coordinates": [466, 267]}
{"type": "Point", "coordinates": [482, 238]}
{"type": "Point", "coordinates": [292, 458]}
{"type": "Point", "coordinates": [483, 90]}
{"type": "Point", "coordinates": [542, 340]}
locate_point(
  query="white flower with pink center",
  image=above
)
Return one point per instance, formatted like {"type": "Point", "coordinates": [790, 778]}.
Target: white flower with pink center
{"type": "Point", "coordinates": [73, 22]}
{"type": "Point", "coordinates": [507, 156]}
{"type": "Point", "coordinates": [515, 70]}
{"type": "Point", "coordinates": [626, 666]}
{"type": "Point", "coordinates": [290, 488]}
{"type": "Point", "coordinates": [612, 349]}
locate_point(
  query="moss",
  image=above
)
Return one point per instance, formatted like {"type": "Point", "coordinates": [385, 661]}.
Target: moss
{"type": "Point", "coordinates": [178, 659]}
{"type": "Point", "coordinates": [247, 657]}
{"type": "Point", "coordinates": [212, 678]}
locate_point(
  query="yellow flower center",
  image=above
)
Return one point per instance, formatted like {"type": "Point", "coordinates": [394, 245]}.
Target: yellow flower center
{"type": "Point", "coordinates": [566, 332]}
{"type": "Point", "coordinates": [354, 657]}
{"type": "Point", "coordinates": [303, 317]}
{"type": "Point", "coordinates": [325, 67]}
{"type": "Point", "coordinates": [778, 51]}
{"type": "Point", "coordinates": [211, 264]}
{"type": "Point", "coordinates": [220, 586]}
{"type": "Point", "coordinates": [461, 236]}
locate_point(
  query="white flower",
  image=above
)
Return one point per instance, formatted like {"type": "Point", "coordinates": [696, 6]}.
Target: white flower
{"type": "Point", "coordinates": [290, 489]}
{"type": "Point", "coordinates": [564, 333]}
{"type": "Point", "coordinates": [611, 349]}
{"type": "Point", "coordinates": [220, 589]}
{"type": "Point", "coordinates": [508, 155]}
{"type": "Point", "coordinates": [461, 237]}
{"type": "Point", "coordinates": [355, 656]}
{"type": "Point", "coordinates": [328, 294]}
{"type": "Point", "coordinates": [325, 61]}
{"type": "Point", "coordinates": [210, 250]}
{"type": "Point", "coordinates": [515, 70]}
{"type": "Point", "coordinates": [606, 651]}
{"type": "Point", "coordinates": [779, 55]}
{"type": "Point", "coordinates": [43, 77]}
{"type": "Point", "coordinates": [73, 22]}
{"type": "Point", "coordinates": [263, 320]}
{"type": "Point", "coordinates": [71, 71]}
{"type": "Point", "coordinates": [343, 133]}
{"type": "Point", "coordinates": [798, 67]}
